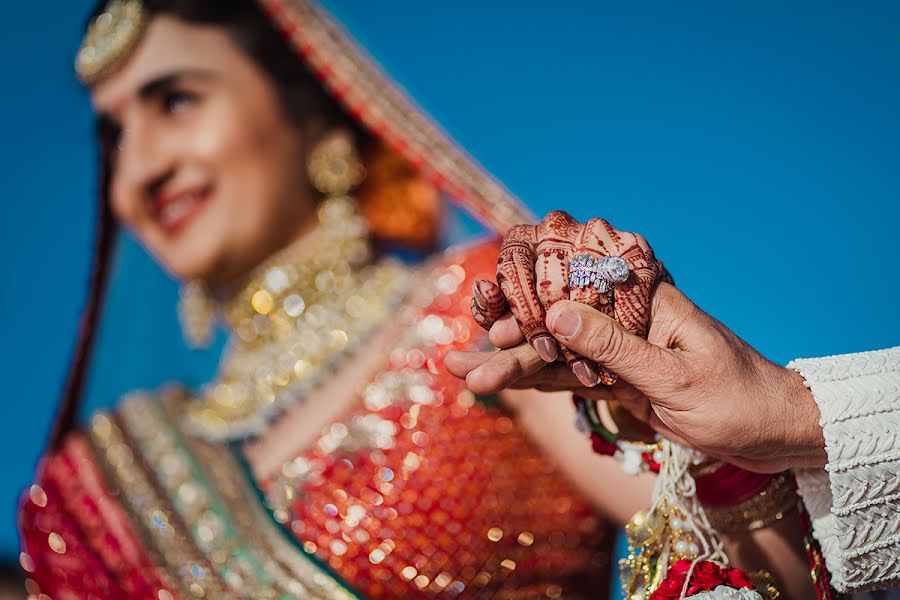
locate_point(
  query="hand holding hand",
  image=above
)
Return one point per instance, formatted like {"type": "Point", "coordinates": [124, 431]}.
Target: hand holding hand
{"type": "Point", "coordinates": [533, 271]}
{"type": "Point", "coordinates": [693, 380]}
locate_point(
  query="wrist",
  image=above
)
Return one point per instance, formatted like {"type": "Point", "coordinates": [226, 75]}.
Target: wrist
{"type": "Point", "coordinates": [801, 431]}
{"type": "Point", "coordinates": [754, 500]}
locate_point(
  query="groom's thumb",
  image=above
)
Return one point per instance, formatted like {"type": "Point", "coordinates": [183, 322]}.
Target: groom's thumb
{"type": "Point", "coordinates": [602, 339]}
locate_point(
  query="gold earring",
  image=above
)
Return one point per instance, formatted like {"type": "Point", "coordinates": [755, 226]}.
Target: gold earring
{"type": "Point", "coordinates": [196, 313]}
{"type": "Point", "coordinates": [334, 166]}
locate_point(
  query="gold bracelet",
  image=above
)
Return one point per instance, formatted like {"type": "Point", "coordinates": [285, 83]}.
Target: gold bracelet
{"type": "Point", "coordinates": [767, 507]}
{"type": "Point", "coordinates": [707, 467]}
{"type": "Point", "coordinates": [765, 585]}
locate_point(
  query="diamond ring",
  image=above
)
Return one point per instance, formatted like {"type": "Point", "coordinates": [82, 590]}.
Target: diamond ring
{"type": "Point", "coordinates": [603, 273]}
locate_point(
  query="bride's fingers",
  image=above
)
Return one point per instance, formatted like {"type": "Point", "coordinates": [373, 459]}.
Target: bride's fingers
{"type": "Point", "coordinates": [503, 369]}
{"type": "Point", "coordinates": [555, 241]}
{"type": "Point", "coordinates": [488, 303]}
{"type": "Point", "coordinates": [515, 274]}
{"type": "Point", "coordinates": [664, 275]}
{"type": "Point", "coordinates": [594, 241]}
{"type": "Point", "coordinates": [631, 299]}
{"type": "Point", "coordinates": [505, 332]}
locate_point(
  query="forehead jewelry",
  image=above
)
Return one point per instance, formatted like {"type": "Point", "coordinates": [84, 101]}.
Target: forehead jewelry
{"type": "Point", "coordinates": [110, 38]}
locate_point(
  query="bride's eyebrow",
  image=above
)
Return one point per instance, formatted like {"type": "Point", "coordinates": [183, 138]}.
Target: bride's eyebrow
{"type": "Point", "coordinates": [152, 88]}
{"type": "Point", "coordinates": [159, 83]}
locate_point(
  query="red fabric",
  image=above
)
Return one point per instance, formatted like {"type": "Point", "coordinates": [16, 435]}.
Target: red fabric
{"type": "Point", "coordinates": [730, 485]}
{"type": "Point", "coordinates": [102, 556]}
{"type": "Point", "coordinates": [456, 515]}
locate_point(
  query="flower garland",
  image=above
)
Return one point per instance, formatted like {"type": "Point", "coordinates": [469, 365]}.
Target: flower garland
{"type": "Point", "coordinates": [674, 551]}
{"type": "Point", "coordinates": [707, 581]}
{"type": "Point", "coordinates": [634, 457]}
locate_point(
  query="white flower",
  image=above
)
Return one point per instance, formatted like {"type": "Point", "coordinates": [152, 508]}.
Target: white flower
{"type": "Point", "coordinates": [723, 592]}
{"type": "Point", "coordinates": [630, 457]}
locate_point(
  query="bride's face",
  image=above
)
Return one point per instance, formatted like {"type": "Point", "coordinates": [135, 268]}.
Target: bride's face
{"type": "Point", "coordinates": [209, 170]}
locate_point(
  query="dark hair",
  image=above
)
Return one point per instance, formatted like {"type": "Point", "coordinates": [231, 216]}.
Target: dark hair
{"type": "Point", "coordinates": [301, 96]}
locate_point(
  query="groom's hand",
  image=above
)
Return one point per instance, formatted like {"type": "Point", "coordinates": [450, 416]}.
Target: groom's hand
{"type": "Point", "coordinates": [692, 379]}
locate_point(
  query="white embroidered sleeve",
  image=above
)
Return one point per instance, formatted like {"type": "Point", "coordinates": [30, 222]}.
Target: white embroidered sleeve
{"type": "Point", "coordinates": [854, 502]}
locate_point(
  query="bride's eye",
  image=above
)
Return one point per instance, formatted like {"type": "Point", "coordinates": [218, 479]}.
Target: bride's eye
{"type": "Point", "coordinates": [110, 132]}
{"type": "Point", "coordinates": [177, 101]}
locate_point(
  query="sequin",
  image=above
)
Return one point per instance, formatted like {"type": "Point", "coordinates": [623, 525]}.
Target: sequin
{"type": "Point", "coordinates": [197, 590]}
{"type": "Point", "coordinates": [198, 571]}
{"type": "Point", "coordinates": [26, 562]}
{"type": "Point", "coordinates": [38, 496]}
{"type": "Point", "coordinates": [338, 547]}
{"type": "Point", "coordinates": [160, 519]}
{"type": "Point", "coordinates": [57, 543]}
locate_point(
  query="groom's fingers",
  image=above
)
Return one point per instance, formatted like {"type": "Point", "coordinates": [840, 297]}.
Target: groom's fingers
{"type": "Point", "coordinates": [503, 369]}
{"type": "Point", "coordinates": [459, 364]}
{"type": "Point", "coordinates": [505, 332]}
{"type": "Point", "coordinates": [551, 378]}
{"type": "Point", "coordinates": [603, 340]}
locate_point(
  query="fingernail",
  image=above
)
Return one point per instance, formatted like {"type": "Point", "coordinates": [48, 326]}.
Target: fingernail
{"type": "Point", "coordinates": [546, 348]}
{"type": "Point", "coordinates": [586, 373]}
{"type": "Point", "coordinates": [480, 300]}
{"type": "Point", "coordinates": [567, 323]}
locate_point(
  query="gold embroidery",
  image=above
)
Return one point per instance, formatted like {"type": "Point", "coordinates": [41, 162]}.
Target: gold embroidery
{"type": "Point", "coordinates": [167, 535]}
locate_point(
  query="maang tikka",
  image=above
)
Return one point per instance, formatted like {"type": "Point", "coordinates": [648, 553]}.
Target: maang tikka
{"type": "Point", "coordinates": [110, 39]}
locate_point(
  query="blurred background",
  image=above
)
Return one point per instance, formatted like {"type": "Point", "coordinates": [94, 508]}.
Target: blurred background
{"type": "Point", "coordinates": [756, 145]}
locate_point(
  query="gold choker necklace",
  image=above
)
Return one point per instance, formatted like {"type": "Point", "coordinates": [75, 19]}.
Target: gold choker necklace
{"type": "Point", "coordinates": [303, 310]}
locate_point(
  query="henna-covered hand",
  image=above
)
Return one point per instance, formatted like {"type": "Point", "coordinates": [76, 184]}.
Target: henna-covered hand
{"type": "Point", "coordinates": [533, 273]}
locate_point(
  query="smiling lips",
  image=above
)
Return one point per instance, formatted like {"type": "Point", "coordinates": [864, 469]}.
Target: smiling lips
{"type": "Point", "coordinates": [173, 211]}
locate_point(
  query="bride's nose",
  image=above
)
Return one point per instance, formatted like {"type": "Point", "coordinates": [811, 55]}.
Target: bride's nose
{"type": "Point", "coordinates": [146, 157]}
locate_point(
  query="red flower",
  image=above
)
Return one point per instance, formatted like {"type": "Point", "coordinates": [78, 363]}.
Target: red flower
{"type": "Point", "coordinates": [739, 579]}
{"type": "Point", "coordinates": [670, 587]}
{"type": "Point", "coordinates": [652, 464]}
{"type": "Point", "coordinates": [681, 566]}
{"type": "Point", "coordinates": [601, 445]}
{"type": "Point", "coordinates": [706, 576]}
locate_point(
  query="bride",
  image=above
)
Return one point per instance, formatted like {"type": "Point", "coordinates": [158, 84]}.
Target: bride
{"type": "Point", "coordinates": [264, 161]}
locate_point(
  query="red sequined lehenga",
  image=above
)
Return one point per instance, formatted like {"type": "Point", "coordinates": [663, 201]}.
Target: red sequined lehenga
{"type": "Point", "coordinates": [420, 490]}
